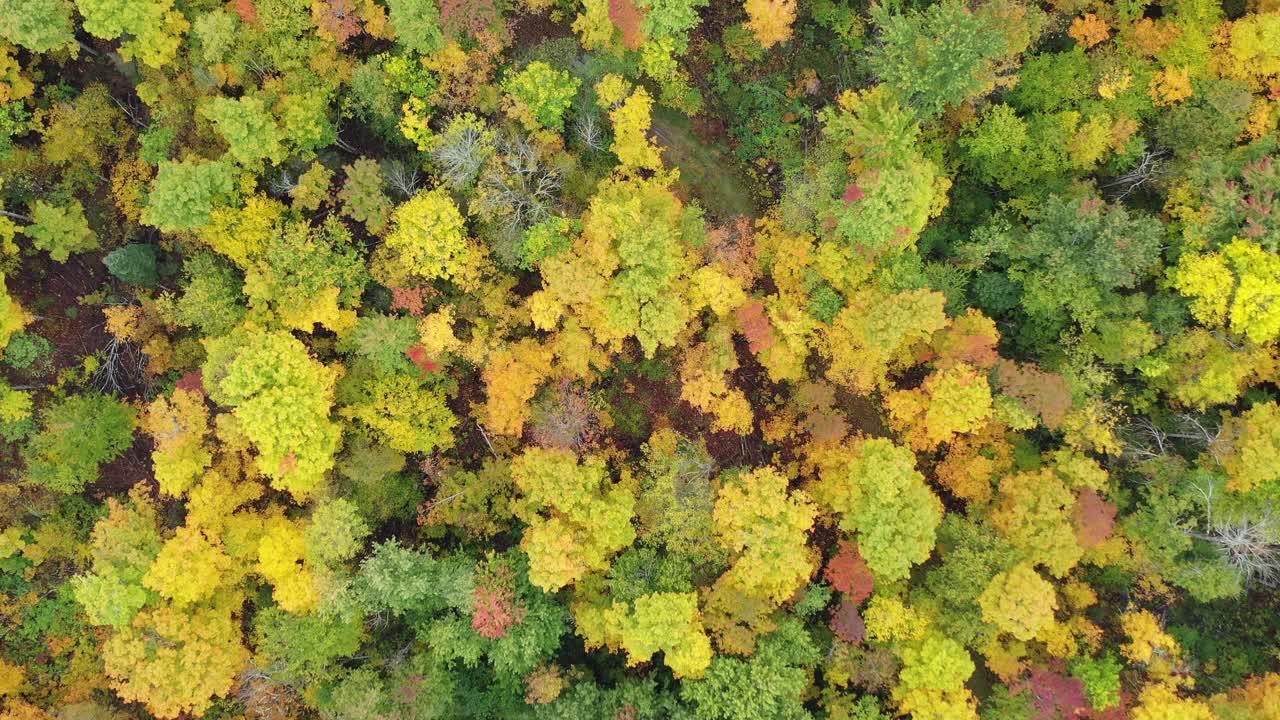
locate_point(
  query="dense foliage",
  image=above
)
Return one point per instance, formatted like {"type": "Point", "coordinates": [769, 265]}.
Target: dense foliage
{"type": "Point", "coordinates": [640, 359]}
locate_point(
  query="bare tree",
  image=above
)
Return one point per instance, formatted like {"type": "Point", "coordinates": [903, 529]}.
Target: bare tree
{"type": "Point", "coordinates": [517, 189]}
{"type": "Point", "coordinates": [401, 177]}
{"type": "Point", "coordinates": [283, 183]}
{"type": "Point", "coordinates": [462, 154]}
{"type": "Point", "coordinates": [1250, 546]}
{"type": "Point", "coordinates": [589, 132]}
{"type": "Point", "coordinates": [1150, 166]}
{"type": "Point", "coordinates": [121, 368]}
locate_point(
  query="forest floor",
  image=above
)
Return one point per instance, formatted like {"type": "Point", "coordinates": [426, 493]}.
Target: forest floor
{"type": "Point", "coordinates": [708, 171]}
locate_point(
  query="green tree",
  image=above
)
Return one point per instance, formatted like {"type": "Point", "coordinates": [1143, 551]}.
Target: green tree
{"type": "Point", "coordinates": [539, 96]}
{"type": "Point", "coordinates": [184, 194]}
{"type": "Point", "coordinates": [39, 25]}
{"type": "Point", "coordinates": [61, 230]}
{"type": "Point", "coordinates": [769, 685]}
{"type": "Point", "coordinates": [77, 435]}
{"type": "Point", "coordinates": [247, 127]}
{"type": "Point", "coordinates": [947, 53]}
{"type": "Point", "coordinates": [417, 24]}
{"type": "Point", "coordinates": [152, 29]}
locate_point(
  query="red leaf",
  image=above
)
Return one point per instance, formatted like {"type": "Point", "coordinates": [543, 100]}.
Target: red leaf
{"type": "Point", "coordinates": [853, 194]}
{"type": "Point", "coordinates": [848, 573]}
{"type": "Point", "coordinates": [1095, 519]}
{"type": "Point", "coordinates": [418, 356]}
{"type": "Point", "coordinates": [411, 300]}
{"type": "Point", "coordinates": [246, 9]}
{"type": "Point", "coordinates": [1055, 696]}
{"type": "Point", "coordinates": [755, 326]}
{"type": "Point", "coordinates": [191, 382]}
{"type": "Point", "coordinates": [629, 18]}
{"type": "Point", "coordinates": [847, 623]}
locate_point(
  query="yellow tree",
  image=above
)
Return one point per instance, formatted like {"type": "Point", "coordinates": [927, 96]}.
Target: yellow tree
{"type": "Point", "coordinates": [1019, 602]}
{"type": "Point", "coordinates": [1237, 287]}
{"type": "Point", "coordinates": [664, 622]}
{"type": "Point", "coordinates": [766, 528]}
{"type": "Point", "coordinates": [429, 241]}
{"type": "Point", "coordinates": [631, 116]}
{"type": "Point", "coordinates": [1250, 447]}
{"type": "Point", "coordinates": [191, 567]}
{"type": "Point", "coordinates": [282, 553]}
{"type": "Point", "coordinates": [949, 402]}
{"type": "Point", "coordinates": [770, 20]}
{"type": "Point", "coordinates": [704, 382]}
{"type": "Point", "coordinates": [877, 333]}
{"type": "Point", "coordinates": [874, 487]}
{"type": "Point", "coordinates": [511, 378]}
{"type": "Point", "coordinates": [282, 398]}
{"type": "Point", "coordinates": [1035, 510]}
{"type": "Point", "coordinates": [629, 273]}
{"type": "Point", "coordinates": [577, 518]}
{"type": "Point", "coordinates": [176, 660]}
{"type": "Point", "coordinates": [179, 425]}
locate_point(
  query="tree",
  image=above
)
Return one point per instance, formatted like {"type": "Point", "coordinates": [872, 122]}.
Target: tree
{"type": "Point", "coordinates": [362, 195]}
{"type": "Point", "coordinates": [282, 561]}
{"type": "Point", "coordinates": [176, 661]}
{"type": "Point", "coordinates": [39, 26]}
{"type": "Point", "coordinates": [931, 684]}
{"type": "Point", "coordinates": [848, 573]}
{"type": "Point", "coordinates": [511, 377]}
{"type": "Point", "coordinates": [766, 529]}
{"type": "Point", "coordinates": [247, 127]}
{"type": "Point", "coordinates": [1234, 287]}
{"type": "Point", "coordinates": [877, 492]}
{"type": "Point", "coordinates": [1035, 510]}
{"type": "Point", "coordinates": [417, 24]}
{"type": "Point", "coordinates": [767, 686]}
{"type": "Point", "coordinates": [770, 20]}
{"type": "Point", "coordinates": [184, 194]}
{"type": "Point", "coordinates": [123, 546]}
{"type": "Point", "coordinates": [631, 117]}
{"type": "Point", "coordinates": [1019, 602]}
{"type": "Point", "coordinates": [704, 382]}
{"type": "Point", "coordinates": [134, 263]}
{"type": "Point", "coordinates": [627, 275]}
{"type": "Point", "coordinates": [539, 95]}
{"type": "Point", "coordinates": [876, 334]}
{"type": "Point", "coordinates": [409, 415]}
{"type": "Point", "coordinates": [153, 28]}
{"type": "Point", "coordinates": [872, 188]}
{"type": "Point", "coordinates": [282, 397]}
{"type": "Point", "coordinates": [948, 53]}
{"type": "Point", "coordinates": [12, 317]}
{"type": "Point", "coordinates": [78, 435]}
{"type": "Point", "coordinates": [949, 402]}
{"type": "Point", "coordinates": [1252, 447]}
{"type": "Point", "coordinates": [670, 19]}
{"type": "Point", "coordinates": [179, 426]}
{"type": "Point", "coordinates": [308, 276]}
{"type": "Point", "coordinates": [429, 240]}
{"type": "Point", "coordinates": [666, 622]}
{"type": "Point", "coordinates": [61, 230]}
{"type": "Point", "coordinates": [191, 567]}
{"type": "Point", "coordinates": [577, 518]}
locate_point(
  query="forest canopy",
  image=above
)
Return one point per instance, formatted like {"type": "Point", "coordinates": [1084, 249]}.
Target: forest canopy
{"type": "Point", "coordinates": [640, 359]}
